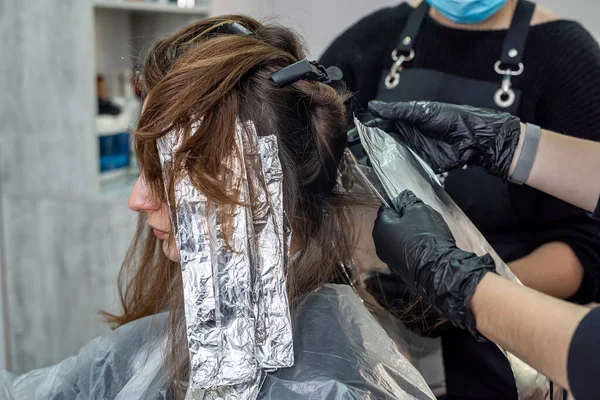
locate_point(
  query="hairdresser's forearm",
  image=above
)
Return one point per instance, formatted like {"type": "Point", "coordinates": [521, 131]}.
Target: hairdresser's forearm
{"type": "Point", "coordinates": [553, 269]}
{"type": "Point", "coordinates": [565, 167]}
{"type": "Point", "coordinates": [535, 327]}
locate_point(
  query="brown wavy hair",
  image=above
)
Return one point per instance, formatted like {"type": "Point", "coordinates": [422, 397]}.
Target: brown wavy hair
{"type": "Point", "coordinates": [200, 71]}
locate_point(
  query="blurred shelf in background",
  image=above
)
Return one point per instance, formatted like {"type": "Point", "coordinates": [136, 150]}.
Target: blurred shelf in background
{"type": "Point", "coordinates": [147, 7]}
{"type": "Point", "coordinates": [124, 31]}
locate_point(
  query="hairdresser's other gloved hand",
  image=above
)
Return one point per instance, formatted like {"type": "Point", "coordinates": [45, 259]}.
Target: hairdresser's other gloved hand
{"type": "Point", "coordinates": [449, 136]}
{"type": "Point", "coordinates": [416, 244]}
{"type": "Point", "coordinates": [398, 298]}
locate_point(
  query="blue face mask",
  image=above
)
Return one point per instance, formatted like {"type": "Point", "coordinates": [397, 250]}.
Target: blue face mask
{"type": "Point", "coordinates": [467, 11]}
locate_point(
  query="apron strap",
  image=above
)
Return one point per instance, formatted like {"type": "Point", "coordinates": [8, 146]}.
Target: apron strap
{"type": "Point", "coordinates": [404, 51]}
{"type": "Point", "coordinates": [516, 37]}
{"type": "Point", "coordinates": [411, 29]}
{"type": "Point", "coordinates": [511, 59]}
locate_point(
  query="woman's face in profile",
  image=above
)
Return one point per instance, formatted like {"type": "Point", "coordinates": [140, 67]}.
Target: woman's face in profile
{"type": "Point", "coordinates": [142, 200]}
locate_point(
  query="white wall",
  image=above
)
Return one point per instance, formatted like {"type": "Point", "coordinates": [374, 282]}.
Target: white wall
{"type": "Point", "coordinates": [318, 21]}
{"type": "Point", "coordinates": [112, 31]}
{"type": "Point", "coordinates": [61, 244]}
{"type": "Point", "coordinates": [587, 12]}
{"type": "Point", "coordinates": [3, 316]}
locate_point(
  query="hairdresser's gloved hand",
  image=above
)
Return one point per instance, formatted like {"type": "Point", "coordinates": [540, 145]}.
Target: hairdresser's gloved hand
{"type": "Point", "coordinates": [398, 298]}
{"type": "Point", "coordinates": [449, 136]}
{"type": "Point", "coordinates": [417, 245]}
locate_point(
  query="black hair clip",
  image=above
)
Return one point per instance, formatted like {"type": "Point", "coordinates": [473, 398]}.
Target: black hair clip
{"type": "Point", "coordinates": [231, 28]}
{"type": "Point", "coordinates": [306, 70]}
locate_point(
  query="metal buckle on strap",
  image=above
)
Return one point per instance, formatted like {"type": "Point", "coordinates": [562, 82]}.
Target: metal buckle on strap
{"type": "Point", "coordinates": [393, 77]}
{"type": "Point", "coordinates": [508, 71]}
{"type": "Point", "coordinates": [505, 95]}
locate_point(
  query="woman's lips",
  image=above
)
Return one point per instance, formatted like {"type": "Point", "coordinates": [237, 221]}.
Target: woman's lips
{"type": "Point", "coordinates": [160, 234]}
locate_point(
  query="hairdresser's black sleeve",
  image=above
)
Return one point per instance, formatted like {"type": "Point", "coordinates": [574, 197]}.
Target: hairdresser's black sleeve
{"type": "Point", "coordinates": [358, 53]}
{"type": "Point", "coordinates": [570, 106]}
{"type": "Point", "coordinates": [569, 99]}
{"type": "Point", "coordinates": [583, 366]}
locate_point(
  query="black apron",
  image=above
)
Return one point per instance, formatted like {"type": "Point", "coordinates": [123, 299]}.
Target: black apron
{"type": "Point", "coordinates": [398, 84]}
{"type": "Point", "coordinates": [473, 370]}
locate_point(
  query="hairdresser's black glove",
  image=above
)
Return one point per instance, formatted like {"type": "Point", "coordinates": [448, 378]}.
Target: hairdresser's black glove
{"type": "Point", "coordinates": [415, 312]}
{"type": "Point", "coordinates": [449, 136]}
{"type": "Point", "coordinates": [417, 245]}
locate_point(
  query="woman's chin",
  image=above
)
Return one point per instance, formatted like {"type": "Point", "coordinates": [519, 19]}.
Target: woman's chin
{"type": "Point", "coordinates": [170, 250]}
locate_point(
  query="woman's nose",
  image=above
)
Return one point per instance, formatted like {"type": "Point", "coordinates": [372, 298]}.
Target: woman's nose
{"type": "Point", "coordinates": [141, 198]}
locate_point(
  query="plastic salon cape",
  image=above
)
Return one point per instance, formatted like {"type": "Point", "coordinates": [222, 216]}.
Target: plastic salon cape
{"type": "Point", "coordinates": [340, 353]}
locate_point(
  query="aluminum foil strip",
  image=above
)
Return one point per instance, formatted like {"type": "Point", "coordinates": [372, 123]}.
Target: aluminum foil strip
{"type": "Point", "coordinates": [217, 283]}
{"type": "Point", "coordinates": [274, 345]}
{"type": "Point", "coordinates": [245, 391]}
{"type": "Point", "coordinates": [233, 297]}
{"type": "Point", "coordinates": [398, 169]}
